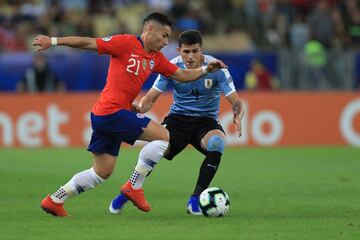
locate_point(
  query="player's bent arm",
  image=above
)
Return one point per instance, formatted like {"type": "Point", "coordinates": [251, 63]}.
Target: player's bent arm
{"type": "Point", "coordinates": [238, 110]}
{"type": "Point", "coordinates": [45, 42]}
{"type": "Point", "coordinates": [188, 75]}
{"type": "Point", "coordinates": [148, 100]}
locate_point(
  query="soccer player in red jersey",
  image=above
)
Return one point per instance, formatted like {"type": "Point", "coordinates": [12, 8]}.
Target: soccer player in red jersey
{"type": "Point", "coordinates": [133, 59]}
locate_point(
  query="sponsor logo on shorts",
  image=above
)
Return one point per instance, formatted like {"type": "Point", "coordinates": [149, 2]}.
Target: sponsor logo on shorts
{"type": "Point", "coordinates": [139, 115]}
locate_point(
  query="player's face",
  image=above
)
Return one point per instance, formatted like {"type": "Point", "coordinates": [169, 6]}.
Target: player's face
{"type": "Point", "coordinates": [158, 36]}
{"type": "Point", "coordinates": [191, 55]}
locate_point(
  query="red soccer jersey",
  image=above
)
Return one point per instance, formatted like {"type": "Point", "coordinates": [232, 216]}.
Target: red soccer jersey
{"type": "Point", "coordinates": [130, 66]}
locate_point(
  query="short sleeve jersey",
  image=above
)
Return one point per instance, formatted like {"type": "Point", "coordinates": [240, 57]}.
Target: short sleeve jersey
{"type": "Point", "coordinates": [199, 98]}
{"type": "Point", "coordinates": [130, 66]}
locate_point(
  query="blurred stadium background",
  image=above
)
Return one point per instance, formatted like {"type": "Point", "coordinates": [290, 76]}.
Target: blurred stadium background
{"type": "Point", "coordinates": [296, 65]}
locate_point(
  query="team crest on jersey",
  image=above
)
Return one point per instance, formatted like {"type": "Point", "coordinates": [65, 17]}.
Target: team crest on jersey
{"type": "Point", "coordinates": [106, 39]}
{"type": "Point", "coordinates": [152, 64]}
{"type": "Point", "coordinates": [144, 64]}
{"type": "Point", "coordinates": [208, 83]}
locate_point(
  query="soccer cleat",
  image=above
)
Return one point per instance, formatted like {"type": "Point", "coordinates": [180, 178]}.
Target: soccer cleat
{"type": "Point", "coordinates": [136, 196]}
{"type": "Point", "coordinates": [117, 204]}
{"type": "Point", "coordinates": [56, 209]}
{"type": "Point", "coordinates": [193, 205]}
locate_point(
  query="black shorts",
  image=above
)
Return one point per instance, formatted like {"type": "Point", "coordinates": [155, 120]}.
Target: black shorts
{"type": "Point", "coordinates": [186, 130]}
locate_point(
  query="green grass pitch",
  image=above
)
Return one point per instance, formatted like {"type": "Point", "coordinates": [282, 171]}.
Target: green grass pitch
{"type": "Point", "coordinates": [275, 193]}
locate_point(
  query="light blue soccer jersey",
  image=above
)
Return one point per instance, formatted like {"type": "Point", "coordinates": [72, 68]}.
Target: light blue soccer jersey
{"type": "Point", "coordinates": [199, 98]}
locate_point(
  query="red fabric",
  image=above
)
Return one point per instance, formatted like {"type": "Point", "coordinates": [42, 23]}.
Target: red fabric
{"type": "Point", "coordinates": [130, 66]}
{"type": "Point", "coordinates": [264, 80]}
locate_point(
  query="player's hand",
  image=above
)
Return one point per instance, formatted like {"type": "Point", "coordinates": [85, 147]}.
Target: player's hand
{"type": "Point", "coordinates": [42, 42]}
{"type": "Point", "coordinates": [237, 120]}
{"type": "Point", "coordinates": [215, 65]}
{"type": "Point", "coordinates": [135, 108]}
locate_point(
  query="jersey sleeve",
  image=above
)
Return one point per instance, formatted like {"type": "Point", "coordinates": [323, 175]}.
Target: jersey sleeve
{"type": "Point", "coordinates": [164, 66]}
{"type": "Point", "coordinates": [113, 45]}
{"type": "Point", "coordinates": [161, 83]}
{"type": "Point", "coordinates": [226, 82]}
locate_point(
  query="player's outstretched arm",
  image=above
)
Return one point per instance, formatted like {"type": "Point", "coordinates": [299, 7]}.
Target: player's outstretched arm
{"type": "Point", "coordinates": [148, 100]}
{"type": "Point", "coordinates": [238, 110]}
{"type": "Point", "coordinates": [188, 75]}
{"type": "Point", "coordinates": [43, 42]}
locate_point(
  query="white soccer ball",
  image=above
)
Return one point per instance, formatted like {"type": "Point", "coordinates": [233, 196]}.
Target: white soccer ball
{"type": "Point", "coordinates": [214, 202]}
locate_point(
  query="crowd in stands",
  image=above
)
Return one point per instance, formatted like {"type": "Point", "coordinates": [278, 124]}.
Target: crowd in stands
{"type": "Point", "coordinates": [247, 24]}
{"type": "Point", "coordinates": [319, 37]}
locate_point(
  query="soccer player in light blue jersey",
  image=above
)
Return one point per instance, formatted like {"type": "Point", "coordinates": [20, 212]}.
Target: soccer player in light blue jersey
{"type": "Point", "coordinates": [193, 117]}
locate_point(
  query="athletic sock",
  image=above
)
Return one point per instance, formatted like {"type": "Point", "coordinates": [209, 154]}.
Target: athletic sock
{"type": "Point", "coordinates": [207, 171]}
{"type": "Point", "coordinates": [79, 183]}
{"type": "Point", "coordinates": [149, 156]}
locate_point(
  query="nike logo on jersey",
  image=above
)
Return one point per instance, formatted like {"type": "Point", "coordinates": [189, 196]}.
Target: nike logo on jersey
{"type": "Point", "coordinates": [134, 55]}
{"type": "Point", "coordinates": [209, 165]}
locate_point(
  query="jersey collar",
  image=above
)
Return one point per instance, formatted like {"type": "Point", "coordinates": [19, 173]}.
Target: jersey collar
{"type": "Point", "coordinates": [140, 40]}
{"type": "Point", "coordinates": [147, 55]}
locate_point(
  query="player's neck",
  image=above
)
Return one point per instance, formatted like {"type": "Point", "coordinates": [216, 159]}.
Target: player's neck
{"type": "Point", "coordinates": [142, 39]}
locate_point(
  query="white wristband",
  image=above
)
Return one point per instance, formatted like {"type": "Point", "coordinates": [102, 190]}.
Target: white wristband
{"type": "Point", "coordinates": [53, 41]}
{"type": "Point", "coordinates": [204, 69]}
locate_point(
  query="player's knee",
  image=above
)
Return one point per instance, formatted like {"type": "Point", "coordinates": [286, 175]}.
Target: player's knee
{"type": "Point", "coordinates": [166, 136]}
{"type": "Point", "coordinates": [105, 173]}
{"type": "Point", "coordinates": [216, 143]}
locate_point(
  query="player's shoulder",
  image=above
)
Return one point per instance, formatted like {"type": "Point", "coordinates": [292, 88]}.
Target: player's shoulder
{"type": "Point", "coordinates": [224, 72]}
{"type": "Point", "coordinates": [120, 37]}
{"type": "Point", "coordinates": [209, 58]}
{"type": "Point", "coordinates": [178, 61]}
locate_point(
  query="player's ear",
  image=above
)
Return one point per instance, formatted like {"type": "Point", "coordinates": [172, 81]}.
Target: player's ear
{"type": "Point", "coordinates": [147, 27]}
{"type": "Point", "coordinates": [178, 50]}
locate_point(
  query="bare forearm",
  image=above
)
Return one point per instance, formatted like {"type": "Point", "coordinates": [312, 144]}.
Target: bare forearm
{"type": "Point", "coordinates": [192, 74]}
{"type": "Point", "coordinates": [145, 106]}
{"type": "Point", "coordinates": [42, 42]}
{"type": "Point", "coordinates": [236, 106]}
{"type": "Point", "coordinates": [78, 42]}
{"type": "Point", "coordinates": [188, 75]}
{"type": "Point", "coordinates": [148, 100]}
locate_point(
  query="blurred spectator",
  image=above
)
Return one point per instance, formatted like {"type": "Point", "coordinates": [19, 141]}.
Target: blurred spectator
{"type": "Point", "coordinates": [315, 62]}
{"type": "Point", "coordinates": [190, 20]}
{"type": "Point", "coordinates": [299, 32]}
{"type": "Point", "coordinates": [40, 78]}
{"type": "Point", "coordinates": [322, 26]}
{"type": "Point", "coordinates": [259, 78]}
{"type": "Point", "coordinates": [350, 9]}
{"type": "Point", "coordinates": [178, 9]}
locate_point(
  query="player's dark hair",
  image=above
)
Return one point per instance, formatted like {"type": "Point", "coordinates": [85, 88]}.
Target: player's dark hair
{"type": "Point", "coordinates": [158, 17]}
{"type": "Point", "coordinates": [190, 37]}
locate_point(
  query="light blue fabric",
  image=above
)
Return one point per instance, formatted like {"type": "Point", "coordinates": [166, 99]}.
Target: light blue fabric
{"type": "Point", "coordinates": [216, 144]}
{"type": "Point", "coordinates": [199, 98]}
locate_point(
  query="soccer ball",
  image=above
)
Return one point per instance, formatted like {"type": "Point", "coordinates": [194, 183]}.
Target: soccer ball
{"type": "Point", "coordinates": [214, 202]}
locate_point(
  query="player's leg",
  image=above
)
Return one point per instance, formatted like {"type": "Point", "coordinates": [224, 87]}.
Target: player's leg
{"type": "Point", "coordinates": [149, 156]}
{"type": "Point", "coordinates": [179, 139]}
{"type": "Point", "coordinates": [102, 168]}
{"type": "Point", "coordinates": [212, 144]}
{"type": "Point", "coordinates": [151, 153]}
{"type": "Point", "coordinates": [105, 147]}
